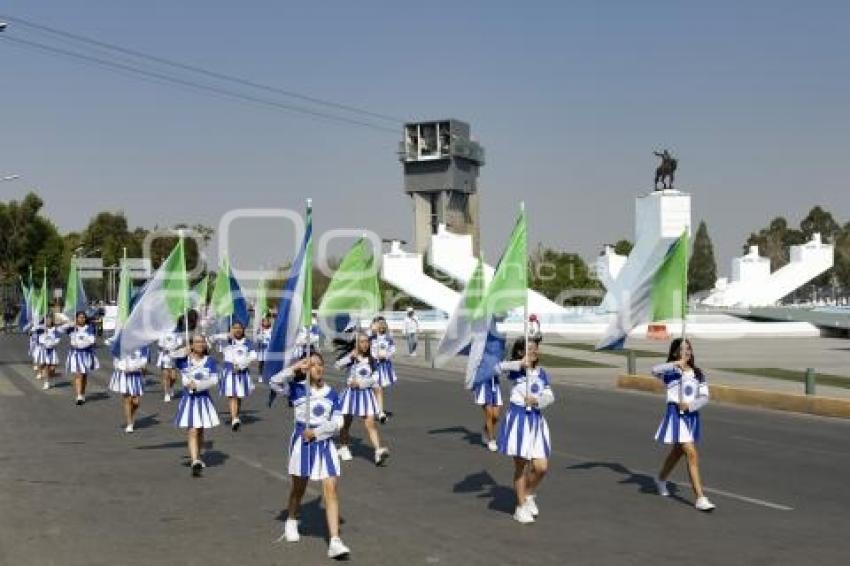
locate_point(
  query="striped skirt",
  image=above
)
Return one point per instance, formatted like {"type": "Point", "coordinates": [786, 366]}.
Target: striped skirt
{"type": "Point", "coordinates": [488, 393]}
{"type": "Point", "coordinates": [164, 361]}
{"type": "Point", "coordinates": [46, 356]}
{"type": "Point", "coordinates": [81, 361]}
{"type": "Point", "coordinates": [316, 460]}
{"type": "Point", "coordinates": [359, 402]}
{"type": "Point", "coordinates": [127, 383]}
{"type": "Point", "coordinates": [235, 383]}
{"type": "Point", "coordinates": [676, 428]}
{"type": "Point", "coordinates": [386, 374]}
{"type": "Point", "coordinates": [524, 434]}
{"type": "Point", "coordinates": [196, 411]}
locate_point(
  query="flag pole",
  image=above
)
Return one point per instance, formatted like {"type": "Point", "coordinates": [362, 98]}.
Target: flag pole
{"type": "Point", "coordinates": [525, 328]}
{"type": "Point", "coordinates": [185, 302]}
{"type": "Point", "coordinates": [305, 267]}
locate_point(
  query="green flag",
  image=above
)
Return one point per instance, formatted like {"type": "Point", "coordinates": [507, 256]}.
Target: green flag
{"type": "Point", "coordinates": [261, 307]}
{"type": "Point", "coordinates": [176, 282]}
{"type": "Point", "coordinates": [222, 298]}
{"type": "Point", "coordinates": [75, 296]}
{"type": "Point", "coordinates": [509, 287]}
{"type": "Point", "coordinates": [125, 289]}
{"type": "Point", "coordinates": [201, 290]}
{"type": "Point", "coordinates": [42, 301]}
{"type": "Point", "coordinates": [669, 293]}
{"type": "Point", "coordinates": [354, 286]}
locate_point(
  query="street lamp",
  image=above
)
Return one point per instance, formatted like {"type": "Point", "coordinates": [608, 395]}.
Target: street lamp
{"type": "Point", "coordinates": [3, 26]}
{"type": "Point", "coordinates": [10, 178]}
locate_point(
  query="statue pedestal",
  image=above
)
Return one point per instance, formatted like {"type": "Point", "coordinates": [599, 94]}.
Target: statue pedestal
{"type": "Point", "coordinates": [660, 218]}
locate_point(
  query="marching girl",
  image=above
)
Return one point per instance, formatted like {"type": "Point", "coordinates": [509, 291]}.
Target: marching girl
{"type": "Point", "coordinates": [488, 395]}
{"type": "Point", "coordinates": [312, 453]}
{"type": "Point", "coordinates": [196, 411]}
{"type": "Point", "coordinates": [687, 393]}
{"type": "Point", "coordinates": [263, 339]}
{"type": "Point", "coordinates": [128, 379]}
{"type": "Point", "coordinates": [32, 348]}
{"type": "Point", "coordinates": [383, 348]}
{"type": "Point", "coordinates": [235, 382]}
{"type": "Point", "coordinates": [81, 359]}
{"type": "Point", "coordinates": [170, 345]}
{"type": "Point", "coordinates": [525, 433]}
{"type": "Point", "coordinates": [358, 398]}
{"type": "Point", "coordinates": [46, 356]}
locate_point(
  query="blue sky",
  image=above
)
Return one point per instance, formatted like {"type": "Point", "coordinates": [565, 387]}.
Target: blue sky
{"type": "Point", "coordinates": [568, 98]}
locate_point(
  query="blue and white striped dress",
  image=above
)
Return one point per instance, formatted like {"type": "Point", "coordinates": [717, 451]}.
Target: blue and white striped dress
{"type": "Point", "coordinates": [317, 459]}
{"type": "Point", "coordinates": [170, 345]}
{"type": "Point", "coordinates": [524, 431]}
{"type": "Point", "coordinates": [48, 339]}
{"type": "Point", "coordinates": [81, 359]}
{"type": "Point", "coordinates": [263, 338]}
{"type": "Point", "coordinates": [196, 409]}
{"type": "Point", "coordinates": [358, 401]}
{"type": "Point", "coordinates": [488, 393]}
{"type": "Point", "coordinates": [687, 387]}
{"type": "Point", "coordinates": [235, 378]}
{"type": "Point", "coordinates": [32, 348]}
{"type": "Point", "coordinates": [127, 377]}
{"type": "Point", "coordinates": [384, 344]}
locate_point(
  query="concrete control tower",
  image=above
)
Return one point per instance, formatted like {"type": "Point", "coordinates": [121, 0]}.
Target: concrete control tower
{"type": "Point", "coordinates": [441, 164]}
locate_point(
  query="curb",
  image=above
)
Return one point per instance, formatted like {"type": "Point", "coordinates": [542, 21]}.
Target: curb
{"type": "Point", "coordinates": [808, 404]}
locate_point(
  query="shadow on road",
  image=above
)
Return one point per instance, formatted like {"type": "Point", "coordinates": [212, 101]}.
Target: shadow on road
{"type": "Point", "coordinates": [147, 421]}
{"type": "Point", "coordinates": [472, 437]}
{"type": "Point", "coordinates": [501, 498]}
{"type": "Point", "coordinates": [645, 483]}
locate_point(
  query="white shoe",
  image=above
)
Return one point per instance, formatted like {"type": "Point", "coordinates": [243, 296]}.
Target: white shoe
{"type": "Point", "coordinates": [81, 399]}
{"type": "Point", "coordinates": [523, 515]}
{"type": "Point", "coordinates": [381, 455]}
{"type": "Point", "coordinates": [167, 398]}
{"type": "Point", "coordinates": [234, 426]}
{"type": "Point", "coordinates": [493, 446]}
{"type": "Point", "coordinates": [531, 505]}
{"type": "Point", "coordinates": [703, 504]}
{"type": "Point", "coordinates": [337, 549]}
{"type": "Point", "coordinates": [290, 531]}
{"type": "Point", "coordinates": [661, 486]}
{"type": "Point", "coordinates": [128, 428]}
{"type": "Point", "coordinates": [344, 454]}
{"type": "Point", "coordinates": [46, 385]}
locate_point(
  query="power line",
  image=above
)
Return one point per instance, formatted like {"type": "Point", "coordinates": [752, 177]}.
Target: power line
{"type": "Point", "coordinates": [203, 71]}
{"type": "Point", "coordinates": [192, 84]}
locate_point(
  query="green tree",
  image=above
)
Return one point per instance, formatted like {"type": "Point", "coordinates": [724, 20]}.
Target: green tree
{"type": "Point", "coordinates": [623, 247]}
{"type": "Point", "coordinates": [563, 277]}
{"type": "Point", "coordinates": [28, 240]}
{"type": "Point", "coordinates": [775, 241]}
{"type": "Point", "coordinates": [702, 268]}
{"type": "Point", "coordinates": [820, 221]}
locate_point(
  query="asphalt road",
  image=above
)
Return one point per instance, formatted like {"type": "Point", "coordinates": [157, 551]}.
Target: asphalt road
{"type": "Point", "coordinates": [76, 490]}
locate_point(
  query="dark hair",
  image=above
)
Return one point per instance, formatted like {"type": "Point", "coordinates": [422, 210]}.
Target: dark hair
{"type": "Point", "coordinates": [518, 349]}
{"type": "Point", "coordinates": [676, 352]}
{"type": "Point", "coordinates": [193, 321]}
{"type": "Point", "coordinates": [76, 316]}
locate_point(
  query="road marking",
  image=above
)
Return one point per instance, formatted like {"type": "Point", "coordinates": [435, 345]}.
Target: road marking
{"type": "Point", "coordinates": [713, 490]}
{"type": "Point", "coordinates": [8, 389]}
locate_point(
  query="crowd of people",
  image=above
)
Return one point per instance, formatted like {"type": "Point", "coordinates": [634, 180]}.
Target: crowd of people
{"type": "Point", "coordinates": [231, 365]}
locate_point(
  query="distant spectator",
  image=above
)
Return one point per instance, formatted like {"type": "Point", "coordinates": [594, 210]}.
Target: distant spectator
{"type": "Point", "coordinates": [411, 327]}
